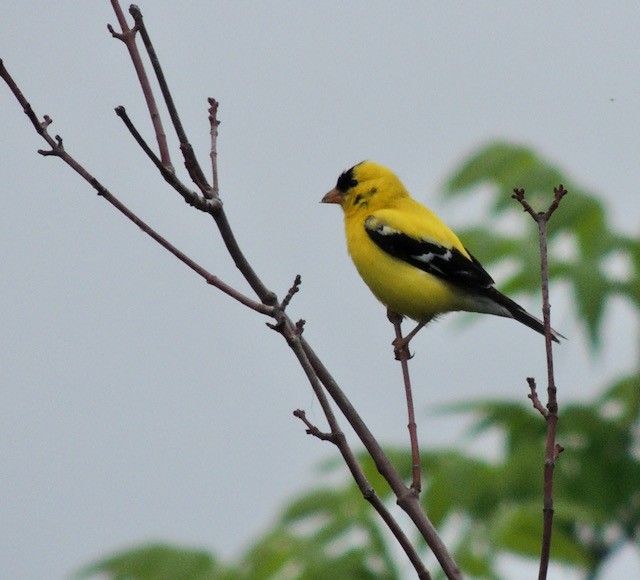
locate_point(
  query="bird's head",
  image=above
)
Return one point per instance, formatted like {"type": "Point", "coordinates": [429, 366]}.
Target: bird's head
{"type": "Point", "coordinates": [366, 185]}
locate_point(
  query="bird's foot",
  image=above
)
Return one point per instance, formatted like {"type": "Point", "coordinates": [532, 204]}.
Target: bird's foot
{"type": "Point", "coordinates": [401, 348]}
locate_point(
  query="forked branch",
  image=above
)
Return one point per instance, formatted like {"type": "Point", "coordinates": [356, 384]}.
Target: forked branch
{"type": "Point", "coordinates": [550, 413]}
{"type": "Point", "coordinates": [207, 200]}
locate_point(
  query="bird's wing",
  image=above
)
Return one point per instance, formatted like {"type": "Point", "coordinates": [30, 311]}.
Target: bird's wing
{"type": "Point", "coordinates": [441, 259]}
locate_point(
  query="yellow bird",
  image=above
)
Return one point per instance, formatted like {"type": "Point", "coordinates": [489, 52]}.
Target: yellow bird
{"type": "Point", "coordinates": [411, 261]}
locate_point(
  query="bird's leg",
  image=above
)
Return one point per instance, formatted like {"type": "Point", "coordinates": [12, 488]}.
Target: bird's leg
{"type": "Point", "coordinates": [402, 354]}
{"type": "Point", "coordinates": [401, 343]}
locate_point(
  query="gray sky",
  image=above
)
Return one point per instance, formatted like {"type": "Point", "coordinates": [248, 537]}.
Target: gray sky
{"type": "Point", "coordinates": [137, 403]}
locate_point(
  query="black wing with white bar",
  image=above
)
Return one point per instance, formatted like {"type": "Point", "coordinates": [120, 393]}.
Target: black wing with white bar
{"type": "Point", "coordinates": [449, 264]}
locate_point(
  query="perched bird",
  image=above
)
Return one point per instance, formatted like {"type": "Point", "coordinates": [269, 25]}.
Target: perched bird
{"type": "Point", "coordinates": [411, 261]}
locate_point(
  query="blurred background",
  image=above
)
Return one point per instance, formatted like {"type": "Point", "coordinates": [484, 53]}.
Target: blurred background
{"type": "Point", "coordinates": [138, 404]}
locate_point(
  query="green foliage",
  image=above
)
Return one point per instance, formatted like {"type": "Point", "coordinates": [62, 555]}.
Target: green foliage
{"type": "Point", "coordinates": [596, 479]}
{"type": "Point", "coordinates": [485, 508]}
{"type": "Point", "coordinates": [326, 533]}
{"type": "Point", "coordinates": [581, 226]}
{"type": "Point", "coordinates": [157, 562]}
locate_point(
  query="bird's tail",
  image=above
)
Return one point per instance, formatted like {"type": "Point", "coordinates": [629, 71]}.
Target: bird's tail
{"type": "Point", "coordinates": [515, 311]}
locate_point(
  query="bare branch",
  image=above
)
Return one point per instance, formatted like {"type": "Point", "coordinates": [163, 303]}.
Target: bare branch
{"type": "Point", "coordinates": [551, 412]}
{"type": "Point", "coordinates": [229, 239]}
{"type": "Point", "coordinates": [210, 206]}
{"type": "Point", "coordinates": [58, 150]}
{"type": "Point", "coordinates": [558, 193]}
{"type": "Point", "coordinates": [402, 354]}
{"type": "Point", "coordinates": [190, 161]}
{"type": "Point", "coordinates": [317, 375]}
{"type": "Point", "coordinates": [128, 37]}
{"type": "Point", "coordinates": [213, 206]}
{"type": "Point", "coordinates": [214, 123]}
{"type": "Point", "coordinates": [39, 126]}
{"type": "Point", "coordinates": [295, 287]}
{"type": "Point", "coordinates": [518, 195]}
{"type": "Point", "coordinates": [312, 429]}
{"type": "Point", "coordinates": [537, 405]}
{"type": "Point", "coordinates": [368, 493]}
{"type": "Point", "coordinates": [407, 498]}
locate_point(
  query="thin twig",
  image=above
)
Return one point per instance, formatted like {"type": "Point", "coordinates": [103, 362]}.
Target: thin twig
{"type": "Point", "coordinates": [214, 123]}
{"type": "Point", "coordinates": [533, 395]}
{"type": "Point", "coordinates": [552, 449]}
{"type": "Point", "coordinates": [39, 126]}
{"type": "Point", "coordinates": [190, 160]}
{"type": "Point", "coordinates": [407, 498]}
{"type": "Point", "coordinates": [552, 415]}
{"type": "Point", "coordinates": [295, 287]}
{"type": "Point", "coordinates": [291, 332]}
{"type": "Point", "coordinates": [337, 437]}
{"type": "Point", "coordinates": [58, 150]}
{"type": "Point", "coordinates": [371, 496]}
{"type": "Point", "coordinates": [312, 429]}
{"type": "Point", "coordinates": [402, 354]}
{"type": "Point", "coordinates": [241, 262]}
{"type": "Point", "coordinates": [316, 372]}
{"type": "Point", "coordinates": [215, 209]}
{"type": "Point", "coordinates": [128, 37]}
{"type": "Point", "coordinates": [211, 206]}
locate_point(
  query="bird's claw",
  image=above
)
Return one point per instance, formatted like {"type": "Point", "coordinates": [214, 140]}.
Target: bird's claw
{"type": "Point", "coordinates": [401, 349]}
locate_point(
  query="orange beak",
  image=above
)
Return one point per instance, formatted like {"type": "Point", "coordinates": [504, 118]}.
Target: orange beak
{"type": "Point", "coordinates": [334, 196]}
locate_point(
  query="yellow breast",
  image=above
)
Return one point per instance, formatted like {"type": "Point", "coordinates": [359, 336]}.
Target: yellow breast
{"type": "Point", "coordinates": [401, 287]}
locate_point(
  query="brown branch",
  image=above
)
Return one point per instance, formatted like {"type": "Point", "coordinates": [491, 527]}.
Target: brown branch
{"type": "Point", "coordinates": [209, 278]}
{"type": "Point", "coordinates": [58, 150]}
{"type": "Point", "coordinates": [214, 123]}
{"type": "Point", "coordinates": [537, 405]}
{"type": "Point", "coordinates": [402, 354]}
{"type": "Point", "coordinates": [214, 209]}
{"type": "Point", "coordinates": [291, 332]}
{"type": "Point", "coordinates": [552, 449]}
{"type": "Point", "coordinates": [337, 437]}
{"type": "Point", "coordinates": [211, 206]}
{"type": "Point", "coordinates": [552, 415]}
{"type": "Point", "coordinates": [39, 126]}
{"type": "Point", "coordinates": [239, 259]}
{"type": "Point", "coordinates": [312, 429]}
{"type": "Point", "coordinates": [315, 371]}
{"type": "Point", "coordinates": [128, 37]}
{"type": "Point", "coordinates": [295, 287]}
{"type": "Point", "coordinates": [407, 498]}
{"type": "Point", "coordinates": [190, 160]}
{"type": "Point", "coordinates": [369, 494]}
{"type": "Point", "coordinates": [558, 193]}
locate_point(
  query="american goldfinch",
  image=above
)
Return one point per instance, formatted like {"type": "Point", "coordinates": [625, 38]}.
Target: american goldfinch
{"type": "Point", "coordinates": [411, 261]}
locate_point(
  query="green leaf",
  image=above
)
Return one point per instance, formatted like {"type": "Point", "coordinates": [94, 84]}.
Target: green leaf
{"type": "Point", "coordinates": [475, 554]}
{"type": "Point", "coordinates": [581, 217]}
{"type": "Point", "coordinates": [506, 166]}
{"type": "Point", "coordinates": [518, 529]}
{"type": "Point", "coordinates": [457, 483]}
{"type": "Point", "coordinates": [621, 402]}
{"type": "Point", "coordinates": [517, 422]}
{"type": "Point", "coordinates": [156, 562]}
{"type": "Point", "coordinates": [591, 290]}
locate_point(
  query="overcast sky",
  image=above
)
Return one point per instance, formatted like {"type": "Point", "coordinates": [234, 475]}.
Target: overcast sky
{"type": "Point", "coordinates": [139, 404]}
